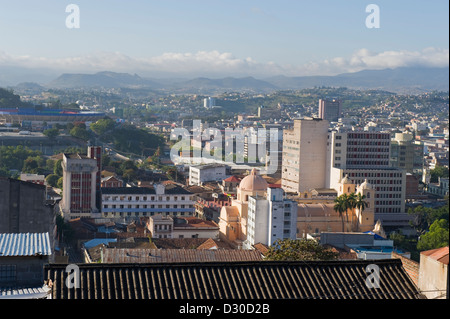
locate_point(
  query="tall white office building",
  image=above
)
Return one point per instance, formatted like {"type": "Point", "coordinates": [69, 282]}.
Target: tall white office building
{"type": "Point", "coordinates": [304, 164]}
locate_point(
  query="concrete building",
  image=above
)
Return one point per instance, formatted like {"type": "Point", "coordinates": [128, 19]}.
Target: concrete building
{"type": "Point", "coordinates": [200, 174]}
{"type": "Point", "coordinates": [359, 149]}
{"type": "Point", "coordinates": [181, 227]}
{"type": "Point", "coordinates": [305, 156]}
{"type": "Point", "coordinates": [439, 189]}
{"type": "Point", "coordinates": [95, 152]}
{"type": "Point", "coordinates": [407, 154]}
{"type": "Point", "coordinates": [209, 102]}
{"type": "Point", "coordinates": [270, 218]}
{"type": "Point", "coordinates": [22, 258]}
{"type": "Point", "coordinates": [433, 273]}
{"type": "Point", "coordinates": [24, 208]}
{"type": "Point", "coordinates": [317, 215]}
{"type": "Point", "coordinates": [330, 109]}
{"type": "Point", "coordinates": [135, 202]}
{"type": "Point", "coordinates": [390, 186]}
{"type": "Point", "coordinates": [366, 156]}
{"type": "Point", "coordinates": [79, 186]}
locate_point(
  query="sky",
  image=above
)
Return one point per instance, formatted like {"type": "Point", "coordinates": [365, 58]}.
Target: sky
{"type": "Point", "coordinates": [258, 38]}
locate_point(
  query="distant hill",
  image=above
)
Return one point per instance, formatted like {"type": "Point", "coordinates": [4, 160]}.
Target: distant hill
{"type": "Point", "coordinates": [399, 80]}
{"type": "Point", "coordinates": [228, 83]}
{"type": "Point", "coordinates": [394, 80]}
{"type": "Point", "coordinates": [101, 80]}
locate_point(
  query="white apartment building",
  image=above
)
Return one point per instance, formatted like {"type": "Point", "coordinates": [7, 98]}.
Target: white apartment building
{"type": "Point", "coordinates": [305, 155]}
{"type": "Point", "coordinates": [270, 218]}
{"type": "Point", "coordinates": [135, 202]}
{"type": "Point", "coordinates": [200, 174]}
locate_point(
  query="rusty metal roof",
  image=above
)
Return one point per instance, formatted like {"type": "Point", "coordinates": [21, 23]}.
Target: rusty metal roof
{"type": "Point", "coordinates": [234, 280]}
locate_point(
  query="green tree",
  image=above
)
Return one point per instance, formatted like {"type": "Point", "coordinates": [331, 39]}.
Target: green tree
{"type": "Point", "coordinates": [59, 184]}
{"type": "Point", "coordinates": [52, 180]}
{"type": "Point", "coordinates": [102, 126]}
{"type": "Point", "coordinates": [424, 217]}
{"type": "Point", "coordinates": [80, 133]}
{"type": "Point", "coordinates": [437, 237]}
{"type": "Point", "coordinates": [33, 165]}
{"type": "Point", "coordinates": [51, 133]}
{"type": "Point", "coordinates": [340, 206]}
{"type": "Point", "coordinates": [57, 168]}
{"type": "Point", "coordinates": [439, 171]}
{"type": "Point", "coordinates": [299, 249]}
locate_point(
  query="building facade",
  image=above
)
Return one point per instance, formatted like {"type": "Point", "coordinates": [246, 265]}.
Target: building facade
{"type": "Point", "coordinates": [134, 202]}
{"type": "Point", "coordinates": [233, 220]}
{"type": "Point", "coordinates": [330, 109]}
{"type": "Point", "coordinates": [305, 155]}
{"type": "Point", "coordinates": [79, 186]}
{"type": "Point", "coordinates": [366, 156]}
{"type": "Point", "coordinates": [270, 218]}
{"type": "Point", "coordinates": [407, 154]}
{"type": "Point", "coordinates": [200, 174]}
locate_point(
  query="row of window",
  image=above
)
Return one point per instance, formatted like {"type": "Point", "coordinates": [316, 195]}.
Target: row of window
{"type": "Point", "coordinates": [146, 198]}
{"type": "Point", "coordinates": [147, 206]}
{"type": "Point", "coordinates": [388, 210]}
{"type": "Point", "coordinates": [375, 174]}
{"type": "Point", "coordinates": [144, 214]}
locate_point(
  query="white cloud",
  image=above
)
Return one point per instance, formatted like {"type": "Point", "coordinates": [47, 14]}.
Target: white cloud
{"type": "Point", "coordinates": [215, 63]}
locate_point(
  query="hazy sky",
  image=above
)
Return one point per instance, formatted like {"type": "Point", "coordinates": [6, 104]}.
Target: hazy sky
{"type": "Point", "coordinates": [254, 37]}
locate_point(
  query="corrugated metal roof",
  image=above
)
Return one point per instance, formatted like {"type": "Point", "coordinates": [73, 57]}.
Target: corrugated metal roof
{"type": "Point", "coordinates": [25, 293]}
{"type": "Point", "coordinates": [234, 280]}
{"type": "Point", "coordinates": [125, 255]}
{"type": "Point", "coordinates": [25, 244]}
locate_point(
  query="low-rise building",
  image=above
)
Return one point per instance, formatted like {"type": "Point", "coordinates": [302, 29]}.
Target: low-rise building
{"type": "Point", "coordinates": [200, 174]}
{"type": "Point", "coordinates": [135, 202]}
{"type": "Point", "coordinates": [186, 227]}
{"type": "Point", "coordinates": [33, 178]}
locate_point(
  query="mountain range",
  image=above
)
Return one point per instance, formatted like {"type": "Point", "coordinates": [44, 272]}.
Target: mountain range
{"type": "Point", "coordinates": [399, 80]}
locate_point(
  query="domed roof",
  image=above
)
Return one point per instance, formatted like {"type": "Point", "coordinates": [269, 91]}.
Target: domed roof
{"type": "Point", "coordinates": [253, 182]}
{"type": "Point", "coordinates": [346, 180]}
{"type": "Point", "coordinates": [365, 185]}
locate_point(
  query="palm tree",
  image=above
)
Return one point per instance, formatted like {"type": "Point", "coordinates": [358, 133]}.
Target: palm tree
{"type": "Point", "coordinates": [360, 202]}
{"type": "Point", "coordinates": [351, 203]}
{"type": "Point", "coordinates": [340, 206]}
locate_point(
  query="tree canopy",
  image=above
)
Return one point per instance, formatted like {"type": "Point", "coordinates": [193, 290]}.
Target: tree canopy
{"type": "Point", "coordinates": [299, 249]}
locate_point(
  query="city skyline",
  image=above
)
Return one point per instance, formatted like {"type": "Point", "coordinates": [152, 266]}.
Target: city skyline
{"type": "Point", "coordinates": [200, 38]}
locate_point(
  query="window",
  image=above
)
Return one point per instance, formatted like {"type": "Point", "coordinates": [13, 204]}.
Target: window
{"type": "Point", "coordinates": [7, 273]}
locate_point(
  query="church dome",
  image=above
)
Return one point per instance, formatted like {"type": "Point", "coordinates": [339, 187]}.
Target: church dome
{"type": "Point", "coordinates": [253, 182]}
{"type": "Point", "coordinates": [365, 185]}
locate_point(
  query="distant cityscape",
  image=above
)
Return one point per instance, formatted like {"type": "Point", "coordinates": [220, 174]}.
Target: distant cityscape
{"type": "Point", "coordinates": [90, 178]}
